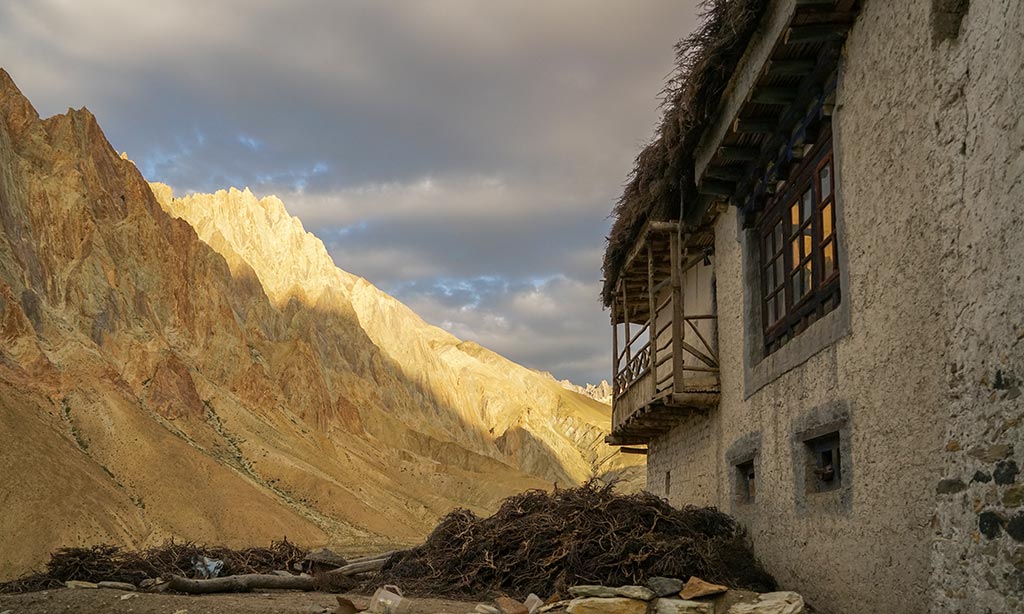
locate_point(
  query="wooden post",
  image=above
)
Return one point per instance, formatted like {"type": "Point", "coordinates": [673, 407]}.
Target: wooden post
{"type": "Point", "coordinates": [652, 328]}
{"type": "Point", "coordinates": [677, 314]}
{"type": "Point", "coordinates": [625, 319]}
{"type": "Point", "coordinates": [615, 349]}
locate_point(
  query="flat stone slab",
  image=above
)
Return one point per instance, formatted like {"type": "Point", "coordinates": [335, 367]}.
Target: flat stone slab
{"type": "Point", "coordinates": [682, 606]}
{"type": "Point", "coordinates": [606, 605]}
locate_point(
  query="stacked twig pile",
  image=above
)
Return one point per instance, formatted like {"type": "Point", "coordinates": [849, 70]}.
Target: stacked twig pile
{"type": "Point", "coordinates": [542, 543]}
{"type": "Point", "coordinates": [115, 564]}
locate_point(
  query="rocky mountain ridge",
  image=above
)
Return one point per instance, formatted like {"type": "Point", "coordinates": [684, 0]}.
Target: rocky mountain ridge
{"type": "Point", "coordinates": [232, 385]}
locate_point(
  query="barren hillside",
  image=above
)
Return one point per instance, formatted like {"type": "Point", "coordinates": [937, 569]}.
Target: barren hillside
{"type": "Point", "coordinates": [231, 386]}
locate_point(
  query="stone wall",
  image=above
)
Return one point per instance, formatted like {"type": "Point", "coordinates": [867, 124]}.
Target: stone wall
{"type": "Point", "coordinates": [923, 386]}
{"type": "Point", "coordinates": [978, 129]}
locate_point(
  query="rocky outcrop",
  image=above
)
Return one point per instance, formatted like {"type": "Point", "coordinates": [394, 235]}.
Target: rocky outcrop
{"type": "Point", "coordinates": [231, 385]}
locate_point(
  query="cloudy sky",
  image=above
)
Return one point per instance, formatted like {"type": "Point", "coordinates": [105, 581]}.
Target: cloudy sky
{"type": "Point", "coordinates": [463, 155]}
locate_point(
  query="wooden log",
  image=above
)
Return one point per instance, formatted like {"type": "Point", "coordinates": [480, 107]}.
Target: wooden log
{"type": "Point", "coordinates": [375, 557]}
{"type": "Point", "coordinates": [238, 584]}
{"type": "Point", "coordinates": [361, 567]}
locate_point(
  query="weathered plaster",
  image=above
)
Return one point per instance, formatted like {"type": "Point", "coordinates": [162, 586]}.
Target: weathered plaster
{"type": "Point", "coordinates": [930, 363]}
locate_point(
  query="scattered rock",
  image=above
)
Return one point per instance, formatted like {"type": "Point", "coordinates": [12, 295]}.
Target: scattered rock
{"type": "Point", "coordinates": [508, 605]}
{"type": "Point", "coordinates": [607, 605]}
{"type": "Point", "coordinates": [326, 557]}
{"type": "Point", "coordinates": [483, 608]}
{"type": "Point", "coordinates": [990, 524]}
{"type": "Point", "coordinates": [317, 609]}
{"type": "Point", "coordinates": [120, 586]}
{"type": "Point", "coordinates": [682, 606]}
{"type": "Point", "coordinates": [663, 587]}
{"type": "Point", "coordinates": [1006, 472]}
{"type": "Point", "coordinates": [950, 486]}
{"type": "Point", "coordinates": [635, 592]}
{"type": "Point", "coordinates": [1015, 528]}
{"type": "Point", "coordinates": [695, 587]}
{"type": "Point", "coordinates": [1014, 496]}
{"type": "Point", "coordinates": [591, 590]}
{"type": "Point", "coordinates": [533, 603]}
{"type": "Point", "coordinates": [347, 605]}
{"type": "Point", "coordinates": [981, 476]}
{"type": "Point", "coordinates": [991, 454]}
{"type": "Point", "coordinates": [554, 605]}
{"type": "Point", "coordinates": [783, 602]}
{"type": "Point", "coordinates": [181, 612]}
{"type": "Point", "coordinates": [80, 584]}
{"type": "Point", "coordinates": [128, 596]}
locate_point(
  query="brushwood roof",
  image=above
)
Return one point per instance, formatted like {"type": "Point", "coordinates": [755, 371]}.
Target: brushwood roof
{"type": "Point", "coordinates": [662, 174]}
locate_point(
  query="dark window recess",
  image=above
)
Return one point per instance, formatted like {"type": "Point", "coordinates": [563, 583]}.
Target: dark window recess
{"type": "Point", "coordinates": [824, 463]}
{"type": "Point", "coordinates": [798, 248]}
{"type": "Point", "coordinates": [668, 483]}
{"type": "Point", "coordinates": [746, 486]}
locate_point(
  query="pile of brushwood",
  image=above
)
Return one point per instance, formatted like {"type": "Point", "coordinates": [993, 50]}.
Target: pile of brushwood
{"type": "Point", "coordinates": [543, 543]}
{"type": "Point", "coordinates": [114, 564]}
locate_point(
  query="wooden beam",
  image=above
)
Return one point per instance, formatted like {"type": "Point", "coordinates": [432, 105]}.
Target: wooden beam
{"type": "Point", "coordinates": [755, 126]}
{"type": "Point", "coordinates": [726, 173]}
{"type": "Point", "coordinates": [716, 187]}
{"type": "Point", "coordinates": [739, 154]}
{"type": "Point", "coordinates": [817, 33]}
{"type": "Point", "coordinates": [773, 95]}
{"type": "Point", "coordinates": [799, 68]}
{"type": "Point", "coordinates": [625, 450]}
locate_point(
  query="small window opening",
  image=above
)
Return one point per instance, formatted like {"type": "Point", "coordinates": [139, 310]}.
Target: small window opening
{"type": "Point", "coordinates": [668, 483]}
{"type": "Point", "coordinates": [825, 463]}
{"type": "Point", "coordinates": [746, 486]}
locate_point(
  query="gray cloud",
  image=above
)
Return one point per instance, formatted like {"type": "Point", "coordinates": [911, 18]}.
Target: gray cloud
{"type": "Point", "coordinates": [463, 155]}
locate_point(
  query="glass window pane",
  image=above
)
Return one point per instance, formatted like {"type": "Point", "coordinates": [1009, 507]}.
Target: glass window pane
{"type": "Point", "coordinates": [808, 271]}
{"type": "Point", "coordinates": [794, 215]}
{"type": "Point", "coordinates": [780, 271]}
{"type": "Point", "coordinates": [807, 200]}
{"type": "Point", "coordinates": [797, 285]}
{"type": "Point", "coordinates": [769, 277]}
{"type": "Point", "coordinates": [767, 250]}
{"type": "Point", "coordinates": [826, 221]}
{"type": "Point", "coordinates": [829, 252]}
{"type": "Point", "coordinates": [778, 236]}
{"type": "Point", "coordinates": [780, 303]}
{"type": "Point", "coordinates": [808, 241]}
{"type": "Point", "coordinates": [771, 311]}
{"type": "Point", "coordinates": [796, 252]}
{"type": "Point", "coordinates": [825, 175]}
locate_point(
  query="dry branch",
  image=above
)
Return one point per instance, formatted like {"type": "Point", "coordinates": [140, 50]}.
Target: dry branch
{"type": "Point", "coordinates": [540, 542]}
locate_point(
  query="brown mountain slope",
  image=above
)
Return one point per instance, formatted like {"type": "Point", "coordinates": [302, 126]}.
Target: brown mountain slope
{"type": "Point", "coordinates": [150, 386]}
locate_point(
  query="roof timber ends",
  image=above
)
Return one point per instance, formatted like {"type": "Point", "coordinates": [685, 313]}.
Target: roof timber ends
{"type": "Point", "coordinates": [747, 72]}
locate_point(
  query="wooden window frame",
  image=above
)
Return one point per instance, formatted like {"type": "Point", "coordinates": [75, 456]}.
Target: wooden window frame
{"type": "Point", "coordinates": [792, 238]}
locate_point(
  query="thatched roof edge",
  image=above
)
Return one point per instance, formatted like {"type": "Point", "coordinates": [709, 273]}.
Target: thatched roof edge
{"type": "Point", "coordinates": [662, 173]}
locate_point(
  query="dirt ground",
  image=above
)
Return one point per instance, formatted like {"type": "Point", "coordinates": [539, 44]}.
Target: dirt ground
{"type": "Point", "coordinates": [107, 601]}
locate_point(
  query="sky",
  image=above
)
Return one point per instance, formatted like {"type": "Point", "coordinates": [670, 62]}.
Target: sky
{"type": "Point", "coordinates": [462, 155]}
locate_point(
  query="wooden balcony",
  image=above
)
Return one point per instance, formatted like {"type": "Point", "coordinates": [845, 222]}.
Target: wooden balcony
{"type": "Point", "coordinates": [665, 360]}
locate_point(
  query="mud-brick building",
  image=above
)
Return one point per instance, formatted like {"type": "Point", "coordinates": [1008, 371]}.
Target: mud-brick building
{"type": "Point", "coordinates": [815, 284]}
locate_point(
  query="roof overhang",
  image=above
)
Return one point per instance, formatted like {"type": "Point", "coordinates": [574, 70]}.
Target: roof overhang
{"type": "Point", "coordinates": [785, 79]}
